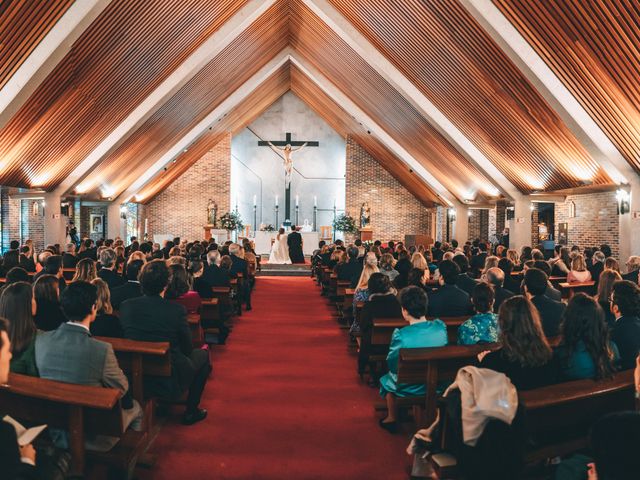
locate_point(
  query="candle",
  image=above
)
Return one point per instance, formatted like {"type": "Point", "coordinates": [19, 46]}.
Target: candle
{"type": "Point", "coordinates": [255, 200]}
{"type": "Point", "coordinates": [276, 200]}
{"type": "Point", "coordinates": [297, 200]}
{"type": "Point", "coordinates": [315, 201]}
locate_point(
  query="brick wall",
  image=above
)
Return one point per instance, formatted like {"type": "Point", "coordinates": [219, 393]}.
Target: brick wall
{"type": "Point", "coordinates": [478, 224]}
{"type": "Point", "coordinates": [394, 211]}
{"type": "Point", "coordinates": [595, 223]}
{"type": "Point", "coordinates": [492, 222]}
{"type": "Point", "coordinates": [441, 224]}
{"type": "Point", "coordinates": [501, 219]}
{"type": "Point", "coordinates": [535, 220]}
{"type": "Point", "coordinates": [181, 209]}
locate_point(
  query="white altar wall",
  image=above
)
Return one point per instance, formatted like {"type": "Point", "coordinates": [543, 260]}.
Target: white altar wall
{"type": "Point", "coordinates": [318, 171]}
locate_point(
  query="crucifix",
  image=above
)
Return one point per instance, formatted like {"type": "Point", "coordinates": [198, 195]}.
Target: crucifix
{"type": "Point", "coordinates": [285, 147]}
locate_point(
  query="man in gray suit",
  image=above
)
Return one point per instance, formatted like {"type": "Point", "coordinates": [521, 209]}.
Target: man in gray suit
{"type": "Point", "coordinates": [69, 354]}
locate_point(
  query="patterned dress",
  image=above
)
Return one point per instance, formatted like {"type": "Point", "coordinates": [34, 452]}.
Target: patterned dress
{"type": "Point", "coordinates": [481, 328]}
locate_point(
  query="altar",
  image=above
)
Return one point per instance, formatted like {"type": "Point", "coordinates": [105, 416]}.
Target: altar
{"type": "Point", "coordinates": [263, 242]}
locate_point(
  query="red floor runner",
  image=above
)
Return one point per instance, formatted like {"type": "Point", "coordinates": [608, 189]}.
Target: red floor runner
{"type": "Point", "coordinates": [284, 401]}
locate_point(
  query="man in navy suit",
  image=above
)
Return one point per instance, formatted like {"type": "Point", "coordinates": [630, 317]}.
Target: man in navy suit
{"type": "Point", "coordinates": [449, 300]}
{"type": "Point", "coordinates": [551, 311]}
{"type": "Point", "coordinates": [625, 306]}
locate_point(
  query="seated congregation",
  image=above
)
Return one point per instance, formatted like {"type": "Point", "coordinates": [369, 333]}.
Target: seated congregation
{"type": "Point", "coordinates": [134, 322]}
{"type": "Point", "coordinates": [508, 358]}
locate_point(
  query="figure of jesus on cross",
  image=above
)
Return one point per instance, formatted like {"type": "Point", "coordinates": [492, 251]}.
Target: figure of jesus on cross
{"type": "Point", "coordinates": [286, 148]}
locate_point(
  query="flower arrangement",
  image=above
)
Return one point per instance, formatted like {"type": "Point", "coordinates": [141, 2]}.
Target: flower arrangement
{"type": "Point", "coordinates": [231, 221]}
{"type": "Point", "coordinates": [268, 228]}
{"type": "Point", "coordinates": [345, 223]}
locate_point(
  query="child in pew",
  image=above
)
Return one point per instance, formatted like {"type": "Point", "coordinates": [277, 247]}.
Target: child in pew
{"type": "Point", "coordinates": [586, 350]}
{"type": "Point", "coordinates": [483, 326]}
{"type": "Point", "coordinates": [418, 334]}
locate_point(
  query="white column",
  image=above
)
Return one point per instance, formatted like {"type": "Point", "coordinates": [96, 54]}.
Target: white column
{"type": "Point", "coordinates": [460, 230]}
{"type": "Point", "coordinates": [630, 226]}
{"type": "Point", "coordinates": [115, 225]}
{"type": "Point", "coordinates": [520, 226]}
{"type": "Point", "coordinates": [54, 221]}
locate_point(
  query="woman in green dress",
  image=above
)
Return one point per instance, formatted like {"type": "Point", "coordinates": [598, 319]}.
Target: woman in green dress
{"type": "Point", "coordinates": [418, 334]}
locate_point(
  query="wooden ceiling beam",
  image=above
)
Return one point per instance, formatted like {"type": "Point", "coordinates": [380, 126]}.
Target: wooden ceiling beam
{"type": "Point", "coordinates": [345, 29]}
{"type": "Point", "coordinates": [350, 107]}
{"type": "Point", "coordinates": [227, 105]}
{"type": "Point", "coordinates": [46, 55]}
{"type": "Point", "coordinates": [219, 40]}
{"type": "Point", "coordinates": [546, 82]}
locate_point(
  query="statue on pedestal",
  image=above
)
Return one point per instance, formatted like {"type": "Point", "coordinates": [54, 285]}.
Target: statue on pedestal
{"type": "Point", "coordinates": [365, 215]}
{"type": "Point", "coordinates": [212, 213]}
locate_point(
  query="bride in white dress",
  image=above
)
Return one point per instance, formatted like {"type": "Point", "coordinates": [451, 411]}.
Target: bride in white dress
{"type": "Point", "coordinates": [280, 250]}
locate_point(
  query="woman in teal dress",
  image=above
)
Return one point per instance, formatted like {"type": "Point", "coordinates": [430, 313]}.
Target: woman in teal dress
{"type": "Point", "coordinates": [483, 326]}
{"type": "Point", "coordinates": [419, 333]}
{"type": "Point", "coordinates": [586, 350]}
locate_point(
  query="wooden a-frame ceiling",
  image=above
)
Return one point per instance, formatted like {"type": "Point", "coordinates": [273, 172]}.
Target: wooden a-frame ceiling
{"type": "Point", "coordinates": [436, 56]}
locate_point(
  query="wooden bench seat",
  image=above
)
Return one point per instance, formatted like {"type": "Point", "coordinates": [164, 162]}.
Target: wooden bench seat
{"type": "Point", "coordinates": [570, 289]}
{"type": "Point", "coordinates": [80, 410]}
{"type": "Point", "coordinates": [383, 328]}
{"type": "Point", "coordinates": [558, 417]}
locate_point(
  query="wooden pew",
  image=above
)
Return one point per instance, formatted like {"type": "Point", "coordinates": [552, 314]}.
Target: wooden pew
{"type": "Point", "coordinates": [556, 281]}
{"type": "Point", "coordinates": [383, 328]}
{"type": "Point", "coordinates": [433, 366]}
{"type": "Point", "coordinates": [559, 416]}
{"type": "Point", "coordinates": [80, 410]}
{"type": "Point", "coordinates": [68, 273]}
{"type": "Point", "coordinates": [570, 289]}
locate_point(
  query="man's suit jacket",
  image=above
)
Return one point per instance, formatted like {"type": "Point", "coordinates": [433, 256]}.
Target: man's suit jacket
{"type": "Point", "coordinates": [27, 263]}
{"type": "Point", "coordinates": [111, 278]}
{"type": "Point", "coordinates": [239, 265]}
{"type": "Point", "coordinates": [70, 354]}
{"type": "Point", "coordinates": [513, 283]}
{"type": "Point", "coordinates": [466, 283]}
{"type": "Point", "coordinates": [501, 294]}
{"type": "Point", "coordinates": [91, 253]}
{"type": "Point", "coordinates": [125, 292]}
{"type": "Point", "coordinates": [626, 335]}
{"type": "Point", "coordinates": [215, 276]}
{"type": "Point", "coordinates": [553, 293]}
{"type": "Point", "coordinates": [151, 318]}
{"type": "Point", "coordinates": [550, 314]}
{"type": "Point", "coordinates": [449, 301]}
{"type": "Point", "coordinates": [631, 276]}
{"type": "Point", "coordinates": [596, 269]}
{"type": "Point", "coordinates": [69, 261]}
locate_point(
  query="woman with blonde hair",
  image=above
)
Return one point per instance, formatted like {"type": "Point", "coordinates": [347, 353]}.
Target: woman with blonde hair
{"type": "Point", "coordinates": [579, 272]}
{"type": "Point", "coordinates": [512, 255]}
{"type": "Point", "coordinates": [85, 271]}
{"type": "Point", "coordinates": [489, 262]}
{"type": "Point", "coordinates": [137, 255]}
{"type": "Point", "coordinates": [106, 323]}
{"type": "Point", "coordinates": [362, 289]}
{"type": "Point", "coordinates": [418, 261]}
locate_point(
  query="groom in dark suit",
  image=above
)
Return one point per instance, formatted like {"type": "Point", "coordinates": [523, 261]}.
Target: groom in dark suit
{"type": "Point", "coordinates": [294, 241]}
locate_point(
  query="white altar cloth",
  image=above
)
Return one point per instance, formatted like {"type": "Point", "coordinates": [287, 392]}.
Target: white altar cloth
{"type": "Point", "coordinates": [263, 242]}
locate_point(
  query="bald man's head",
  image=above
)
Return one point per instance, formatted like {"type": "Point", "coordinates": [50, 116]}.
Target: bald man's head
{"type": "Point", "coordinates": [495, 276]}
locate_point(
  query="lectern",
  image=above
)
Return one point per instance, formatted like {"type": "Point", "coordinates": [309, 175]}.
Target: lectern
{"type": "Point", "coordinates": [366, 234]}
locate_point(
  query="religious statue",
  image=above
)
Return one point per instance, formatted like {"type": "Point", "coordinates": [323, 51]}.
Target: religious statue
{"type": "Point", "coordinates": [212, 213]}
{"type": "Point", "coordinates": [288, 161]}
{"type": "Point", "coordinates": [365, 215]}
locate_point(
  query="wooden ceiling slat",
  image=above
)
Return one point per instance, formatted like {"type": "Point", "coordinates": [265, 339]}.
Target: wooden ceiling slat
{"type": "Point", "coordinates": [442, 50]}
{"type": "Point", "coordinates": [123, 55]}
{"type": "Point", "coordinates": [344, 124]}
{"type": "Point", "coordinates": [593, 48]}
{"type": "Point", "coordinates": [320, 46]}
{"type": "Point", "coordinates": [23, 24]}
{"type": "Point", "coordinates": [232, 67]}
{"type": "Point", "coordinates": [239, 117]}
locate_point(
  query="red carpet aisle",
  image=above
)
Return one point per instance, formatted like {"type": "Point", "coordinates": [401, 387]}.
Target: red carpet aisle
{"type": "Point", "coordinates": [284, 402]}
